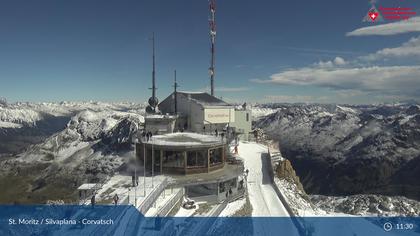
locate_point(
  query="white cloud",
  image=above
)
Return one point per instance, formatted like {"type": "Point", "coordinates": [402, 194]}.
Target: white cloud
{"type": "Point", "coordinates": [339, 61]}
{"type": "Point", "coordinates": [386, 79]}
{"type": "Point", "coordinates": [408, 49]}
{"type": "Point", "coordinates": [399, 27]}
{"type": "Point", "coordinates": [325, 64]}
{"type": "Point", "coordinates": [357, 78]}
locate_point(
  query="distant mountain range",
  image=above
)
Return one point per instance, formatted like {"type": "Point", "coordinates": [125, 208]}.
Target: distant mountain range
{"type": "Point", "coordinates": [49, 149]}
{"type": "Point", "coordinates": [345, 149]}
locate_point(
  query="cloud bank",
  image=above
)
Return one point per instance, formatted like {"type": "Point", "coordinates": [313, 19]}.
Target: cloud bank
{"type": "Point", "coordinates": [399, 27]}
{"type": "Point", "coordinates": [357, 75]}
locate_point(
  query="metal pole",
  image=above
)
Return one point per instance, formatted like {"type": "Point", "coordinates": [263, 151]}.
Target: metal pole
{"type": "Point", "coordinates": [153, 164]}
{"type": "Point", "coordinates": [175, 94]}
{"type": "Point", "coordinates": [128, 196]}
{"type": "Point", "coordinates": [135, 185]}
{"type": "Point", "coordinates": [212, 23]}
{"type": "Point", "coordinates": [144, 169]}
{"type": "Point", "coordinates": [154, 68]}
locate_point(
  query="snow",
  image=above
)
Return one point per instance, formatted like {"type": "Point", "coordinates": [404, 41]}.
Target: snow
{"type": "Point", "coordinates": [163, 200]}
{"type": "Point", "coordinates": [233, 207]}
{"type": "Point", "coordinates": [258, 112]}
{"type": "Point", "coordinates": [262, 196]}
{"type": "Point", "coordinates": [186, 212]}
{"type": "Point", "coordinates": [406, 119]}
{"type": "Point", "coordinates": [122, 185]}
{"type": "Point", "coordinates": [29, 114]}
{"type": "Point", "coordinates": [63, 154]}
{"type": "Point", "coordinates": [86, 186]}
{"type": "Point", "coordinates": [347, 109]}
{"type": "Point", "coordinates": [293, 195]}
{"type": "Point", "coordinates": [323, 113]}
{"type": "Point", "coordinates": [19, 116]}
{"type": "Point", "coordinates": [6, 124]}
{"type": "Point", "coordinates": [159, 116]}
{"type": "Point", "coordinates": [184, 139]}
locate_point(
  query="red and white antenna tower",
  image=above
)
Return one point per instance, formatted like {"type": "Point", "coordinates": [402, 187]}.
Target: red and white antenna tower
{"type": "Point", "coordinates": [212, 23]}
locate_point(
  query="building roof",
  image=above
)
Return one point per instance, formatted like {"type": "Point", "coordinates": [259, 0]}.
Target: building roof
{"type": "Point", "coordinates": [200, 98]}
{"type": "Point", "coordinates": [159, 117]}
{"type": "Point", "coordinates": [204, 98]}
{"type": "Point", "coordinates": [185, 139]}
{"type": "Point", "coordinates": [88, 186]}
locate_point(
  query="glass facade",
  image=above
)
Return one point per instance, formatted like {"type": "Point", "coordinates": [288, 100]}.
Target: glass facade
{"type": "Point", "coordinates": [196, 159]}
{"type": "Point", "coordinates": [216, 156]}
{"type": "Point", "coordinates": [173, 159]}
{"type": "Point", "coordinates": [178, 161]}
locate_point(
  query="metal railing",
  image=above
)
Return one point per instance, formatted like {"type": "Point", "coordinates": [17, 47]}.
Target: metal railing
{"type": "Point", "coordinates": [151, 198]}
{"type": "Point", "coordinates": [171, 203]}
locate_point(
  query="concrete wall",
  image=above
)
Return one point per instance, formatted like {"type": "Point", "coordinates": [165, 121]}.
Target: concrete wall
{"type": "Point", "coordinates": [193, 111]}
{"type": "Point", "coordinates": [195, 114]}
{"type": "Point", "coordinates": [160, 126]}
{"type": "Point", "coordinates": [242, 124]}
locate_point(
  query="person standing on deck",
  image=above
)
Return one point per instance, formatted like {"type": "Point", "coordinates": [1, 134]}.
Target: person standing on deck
{"type": "Point", "coordinates": [93, 200]}
{"type": "Point", "coordinates": [116, 198]}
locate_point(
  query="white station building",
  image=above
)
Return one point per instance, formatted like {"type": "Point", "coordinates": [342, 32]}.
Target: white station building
{"type": "Point", "coordinates": [202, 113]}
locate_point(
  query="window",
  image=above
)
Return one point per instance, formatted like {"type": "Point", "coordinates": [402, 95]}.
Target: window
{"type": "Point", "coordinates": [201, 190]}
{"type": "Point", "coordinates": [216, 156]}
{"type": "Point", "coordinates": [173, 159]}
{"type": "Point", "coordinates": [247, 117]}
{"type": "Point", "coordinates": [196, 159]}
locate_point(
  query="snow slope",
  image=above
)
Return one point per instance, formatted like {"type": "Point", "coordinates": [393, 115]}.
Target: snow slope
{"type": "Point", "coordinates": [95, 144]}
{"type": "Point", "coordinates": [262, 196]}
{"type": "Point", "coordinates": [264, 199]}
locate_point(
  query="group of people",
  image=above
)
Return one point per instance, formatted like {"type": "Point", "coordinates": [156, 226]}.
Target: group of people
{"type": "Point", "coordinates": [146, 136]}
{"type": "Point", "coordinates": [216, 132]}
{"type": "Point", "coordinates": [93, 199]}
{"type": "Point", "coordinates": [135, 180]}
{"type": "Point", "coordinates": [229, 193]}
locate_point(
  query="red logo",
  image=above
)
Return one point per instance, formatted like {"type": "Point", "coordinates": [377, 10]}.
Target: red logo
{"type": "Point", "coordinates": [373, 15]}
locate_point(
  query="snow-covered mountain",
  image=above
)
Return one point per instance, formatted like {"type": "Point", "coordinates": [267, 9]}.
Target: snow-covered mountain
{"type": "Point", "coordinates": [343, 150]}
{"type": "Point", "coordinates": [367, 205]}
{"type": "Point", "coordinates": [23, 124]}
{"type": "Point", "coordinates": [95, 141]}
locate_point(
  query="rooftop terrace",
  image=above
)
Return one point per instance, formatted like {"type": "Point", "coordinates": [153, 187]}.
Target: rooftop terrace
{"type": "Point", "coordinates": [185, 139]}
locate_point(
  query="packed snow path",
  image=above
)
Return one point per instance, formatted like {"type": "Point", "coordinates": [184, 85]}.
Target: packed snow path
{"type": "Point", "coordinates": [262, 196]}
{"type": "Point", "coordinates": [264, 199]}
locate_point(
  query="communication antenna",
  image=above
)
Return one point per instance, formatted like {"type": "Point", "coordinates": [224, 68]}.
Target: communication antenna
{"type": "Point", "coordinates": [153, 100]}
{"type": "Point", "coordinates": [212, 24]}
{"type": "Point", "coordinates": [175, 94]}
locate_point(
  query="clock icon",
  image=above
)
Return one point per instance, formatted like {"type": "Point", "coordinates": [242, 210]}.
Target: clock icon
{"type": "Point", "coordinates": [387, 226]}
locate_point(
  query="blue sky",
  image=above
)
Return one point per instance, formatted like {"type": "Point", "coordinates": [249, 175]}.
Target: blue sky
{"type": "Point", "coordinates": [267, 51]}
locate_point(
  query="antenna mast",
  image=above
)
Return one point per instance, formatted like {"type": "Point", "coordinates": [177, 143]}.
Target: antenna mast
{"type": "Point", "coordinates": [212, 23]}
{"type": "Point", "coordinates": [153, 101]}
{"type": "Point", "coordinates": [175, 94]}
{"type": "Point", "coordinates": [154, 68]}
